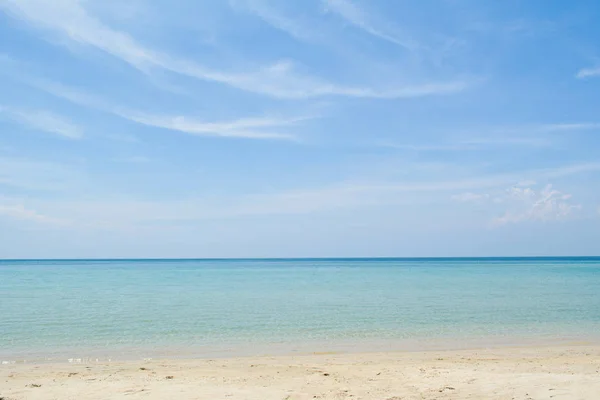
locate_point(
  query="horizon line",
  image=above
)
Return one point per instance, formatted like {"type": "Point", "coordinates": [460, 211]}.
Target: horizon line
{"type": "Point", "coordinates": [304, 258]}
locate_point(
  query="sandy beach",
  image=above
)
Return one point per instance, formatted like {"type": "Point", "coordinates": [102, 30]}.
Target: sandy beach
{"type": "Point", "coordinates": [557, 372]}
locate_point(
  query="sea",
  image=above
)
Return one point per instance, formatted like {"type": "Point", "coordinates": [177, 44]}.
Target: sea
{"type": "Point", "coordinates": [98, 310]}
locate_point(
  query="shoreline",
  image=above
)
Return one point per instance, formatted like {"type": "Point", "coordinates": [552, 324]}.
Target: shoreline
{"type": "Point", "coordinates": [526, 372]}
{"type": "Point", "coordinates": [281, 349]}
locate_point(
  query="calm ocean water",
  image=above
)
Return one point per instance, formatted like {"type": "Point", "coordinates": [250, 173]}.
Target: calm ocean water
{"type": "Point", "coordinates": [70, 308]}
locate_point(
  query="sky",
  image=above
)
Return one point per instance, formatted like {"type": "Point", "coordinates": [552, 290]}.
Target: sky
{"type": "Point", "coordinates": [321, 128]}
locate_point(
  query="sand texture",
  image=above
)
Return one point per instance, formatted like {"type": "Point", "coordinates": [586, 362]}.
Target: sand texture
{"type": "Point", "coordinates": [506, 373]}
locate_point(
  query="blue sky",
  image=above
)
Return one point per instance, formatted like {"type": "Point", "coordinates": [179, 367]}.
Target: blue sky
{"type": "Point", "coordinates": [272, 128]}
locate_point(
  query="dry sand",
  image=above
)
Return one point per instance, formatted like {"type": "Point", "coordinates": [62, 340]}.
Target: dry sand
{"type": "Point", "coordinates": [506, 373]}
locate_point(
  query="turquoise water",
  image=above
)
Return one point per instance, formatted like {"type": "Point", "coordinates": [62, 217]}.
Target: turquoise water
{"type": "Point", "coordinates": [142, 306]}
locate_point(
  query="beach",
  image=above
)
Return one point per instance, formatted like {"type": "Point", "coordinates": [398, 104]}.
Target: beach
{"type": "Point", "coordinates": [552, 372]}
{"type": "Point", "coordinates": [382, 329]}
{"type": "Point", "coordinates": [299, 200]}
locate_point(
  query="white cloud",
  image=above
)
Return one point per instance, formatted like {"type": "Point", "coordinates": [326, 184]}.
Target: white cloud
{"type": "Point", "coordinates": [20, 212]}
{"type": "Point", "coordinates": [522, 202]}
{"type": "Point", "coordinates": [44, 121]}
{"type": "Point", "coordinates": [116, 212]}
{"type": "Point", "coordinates": [588, 72]}
{"type": "Point", "coordinates": [248, 128]}
{"type": "Point", "coordinates": [281, 80]}
{"type": "Point", "coordinates": [242, 128]}
{"type": "Point", "coordinates": [361, 19]}
{"type": "Point", "coordinates": [356, 194]}
{"type": "Point", "coordinates": [528, 204]}
{"type": "Point", "coordinates": [70, 19]}
{"type": "Point", "coordinates": [276, 19]}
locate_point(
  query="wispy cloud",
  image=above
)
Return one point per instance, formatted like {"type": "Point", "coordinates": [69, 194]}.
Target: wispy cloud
{"type": "Point", "coordinates": [566, 170]}
{"type": "Point", "coordinates": [525, 177]}
{"type": "Point", "coordinates": [565, 127]}
{"type": "Point", "coordinates": [588, 72]}
{"type": "Point", "coordinates": [45, 121]}
{"type": "Point", "coordinates": [20, 212]}
{"type": "Point", "coordinates": [26, 174]}
{"type": "Point", "coordinates": [521, 131]}
{"type": "Point", "coordinates": [272, 16]}
{"type": "Point", "coordinates": [500, 140]}
{"type": "Point", "coordinates": [472, 144]}
{"type": "Point", "coordinates": [470, 197]}
{"type": "Point", "coordinates": [363, 20]}
{"type": "Point", "coordinates": [133, 160]}
{"type": "Point", "coordinates": [123, 137]}
{"type": "Point", "coordinates": [356, 194]}
{"type": "Point", "coordinates": [248, 128]}
{"type": "Point", "coordinates": [526, 183]}
{"type": "Point", "coordinates": [430, 147]}
{"type": "Point", "coordinates": [535, 135]}
{"type": "Point", "coordinates": [112, 213]}
{"type": "Point", "coordinates": [70, 19]}
{"type": "Point", "coordinates": [531, 135]}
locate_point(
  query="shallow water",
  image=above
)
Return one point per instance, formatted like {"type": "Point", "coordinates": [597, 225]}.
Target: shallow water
{"type": "Point", "coordinates": [146, 307]}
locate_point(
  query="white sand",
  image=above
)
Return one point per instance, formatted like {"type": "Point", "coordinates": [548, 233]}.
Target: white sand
{"type": "Point", "coordinates": [507, 373]}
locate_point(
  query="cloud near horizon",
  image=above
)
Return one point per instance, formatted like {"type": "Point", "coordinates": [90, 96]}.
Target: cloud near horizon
{"type": "Point", "coordinates": [522, 203]}
{"type": "Point", "coordinates": [322, 127]}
